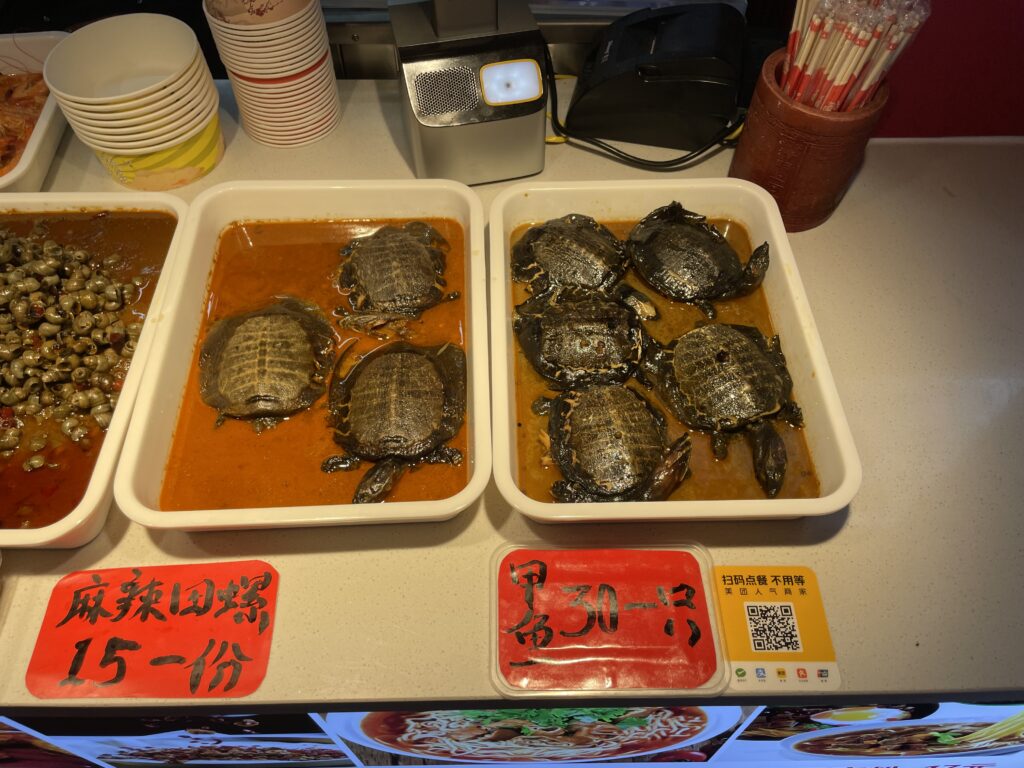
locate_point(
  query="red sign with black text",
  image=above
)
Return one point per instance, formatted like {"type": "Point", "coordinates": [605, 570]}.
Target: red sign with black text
{"type": "Point", "coordinates": [173, 631]}
{"type": "Point", "coordinates": [604, 619]}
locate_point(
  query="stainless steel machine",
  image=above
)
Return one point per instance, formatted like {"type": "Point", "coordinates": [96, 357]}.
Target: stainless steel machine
{"type": "Point", "coordinates": [473, 88]}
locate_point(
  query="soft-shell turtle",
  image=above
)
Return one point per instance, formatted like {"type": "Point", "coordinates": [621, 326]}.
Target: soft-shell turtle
{"type": "Point", "coordinates": [398, 406]}
{"type": "Point", "coordinates": [267, 364]}
{"type": "Point", "coordinates": [571, 251]}
{"type": "Point", "coordinates": [684, 258]}
{"type": "Point", "coordinates": [392, 275]}
{"type": "Point", "coordinates": [574, 337]}
{"type": "Point", "coordinates": [610, 444]}
{"type": "Point", "coordinates": [724, 378]}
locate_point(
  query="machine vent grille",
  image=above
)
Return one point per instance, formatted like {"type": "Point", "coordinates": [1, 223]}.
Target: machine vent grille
{"type": "Point", "coordinates": [447, 90]}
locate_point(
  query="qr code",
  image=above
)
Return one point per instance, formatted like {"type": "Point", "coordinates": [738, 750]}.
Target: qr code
{"type": "Point", "coordinates": [772, 627]}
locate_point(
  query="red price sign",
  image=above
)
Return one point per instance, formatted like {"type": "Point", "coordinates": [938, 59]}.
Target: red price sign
{"type": "Point", "coordinates": [176, 631]}
{"type": "Point", "coordinates": [603, 619]}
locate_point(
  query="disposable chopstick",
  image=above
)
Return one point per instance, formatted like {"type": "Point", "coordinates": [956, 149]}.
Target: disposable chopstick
{"type": "Point", "coordinates": [839, 51]}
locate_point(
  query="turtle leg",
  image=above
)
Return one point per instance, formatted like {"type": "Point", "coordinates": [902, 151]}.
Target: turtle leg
{"type": "Point", "coordinates": [264, 422]}
{"type": "Point", "coordinates": [378, 482]}
{"type": "Point", "coordinates": [792, 414]}
{"type": "Point", "coordinates": [670, 472]}
{"type": "Point", "coordinates": [444, 454]}
{"type": "Point", "coordinates": [342, 462]}
{"type": "Point", "coordinates": [639, 302]}
{"type": "Point", "coordinates": [372, 322]}
{"type": "Point", "coordinates": [769, 457]}
{"type": "Point", "coordinates": [720, 445]}
{"type": "Point", "coordinates": [566, 491]}
{"type": "Point", "coordinates": [706, 307]}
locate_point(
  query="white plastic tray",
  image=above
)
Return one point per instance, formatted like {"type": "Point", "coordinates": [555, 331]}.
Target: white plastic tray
{"type": "Point", "coordinates": [27, 52]}
{"type": "Point", "coordinates": [140, 475]}
{"type": "Point", "coordinates": [86, 520]}
{"type": "Point", "coordinates": [827, 432]}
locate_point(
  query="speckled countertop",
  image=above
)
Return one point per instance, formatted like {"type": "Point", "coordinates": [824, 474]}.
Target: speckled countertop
{"type": "Point", "coordinates": [916, 287]}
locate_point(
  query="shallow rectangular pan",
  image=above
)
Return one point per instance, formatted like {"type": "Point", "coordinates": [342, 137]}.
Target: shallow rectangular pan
{"type": "Point", "coordinates": [27, 53]}
{"type": "Point", "coordinates": [86, 520]}
{"type": "Point", "coordinates": [140, 475]}
{"type": "Point", "coordinates": [827, 432]}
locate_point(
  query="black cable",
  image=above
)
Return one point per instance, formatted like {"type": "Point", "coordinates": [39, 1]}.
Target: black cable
{"type": "Point", "coordinates": [615, 153]}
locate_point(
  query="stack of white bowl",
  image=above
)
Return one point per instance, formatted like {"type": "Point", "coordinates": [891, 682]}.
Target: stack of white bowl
{"type": "Point", "coordinates": [137, 90]}
{"type": "Point", "coordinates": [280, 67]}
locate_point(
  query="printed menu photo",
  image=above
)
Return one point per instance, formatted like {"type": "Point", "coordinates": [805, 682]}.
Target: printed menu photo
{"type": "Point", "coordinates": [551, 735]}
{"type": "Point", "coordinates": [27, 750]}
{"type": "Point", "coordinates": [194, 741]}
{"type": "Point", "coordinates": [889, 735]}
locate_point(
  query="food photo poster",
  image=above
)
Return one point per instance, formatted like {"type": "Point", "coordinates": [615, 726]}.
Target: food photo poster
{"type": "Point", "coordinates": [879, 735]}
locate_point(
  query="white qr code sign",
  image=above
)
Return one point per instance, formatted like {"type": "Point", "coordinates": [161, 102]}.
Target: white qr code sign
{"type": "Point", "coordinates": [772, 627]}
{"type": "Point", "coordinates": [776, 632]}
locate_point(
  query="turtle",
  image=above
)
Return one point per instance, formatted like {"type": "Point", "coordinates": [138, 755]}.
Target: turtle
{"type": "Point", "coordinates": [266, 364]}
{"type": "Point", "coordinates": [573, 250]}
{"type": "Point", "coordinates": [397, 406]}
{"type": "Point", "coordinates": [392, 276]}
{"type": "Point", "coordinates": [575, 336]}
{"type": "Point", "coordinates": [684, 258]}
{"type": "Point", "coordinates": [725, 379]}
{"type": "Point", "coordinates": [610, 443]}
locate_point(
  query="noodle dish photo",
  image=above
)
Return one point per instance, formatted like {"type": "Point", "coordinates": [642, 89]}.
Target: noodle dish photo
{"type": "Point", "coordinates": [532, 735]}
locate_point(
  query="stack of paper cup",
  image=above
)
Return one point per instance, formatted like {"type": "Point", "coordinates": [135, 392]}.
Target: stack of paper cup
{"type": "Point", "coordinates": [137, 90]}
{"type": "Point", "coordinates": [280, 67]}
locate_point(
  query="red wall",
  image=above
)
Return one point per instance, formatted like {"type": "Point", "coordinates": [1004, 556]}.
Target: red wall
{"type": "Point", "coordinates": [963, 75]}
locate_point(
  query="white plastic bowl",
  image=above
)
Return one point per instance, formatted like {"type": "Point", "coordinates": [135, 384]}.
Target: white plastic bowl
{"type": "Point", "coordinates": [86, 520]}
{"type": "Point", "coordinates": [826, 430]}
{"type": "Point", "coordinates": [26, 53]}
{"type": "Point", "coordinates": [140, 475]}
{"type": "Point", "coordinates": [121, 58]}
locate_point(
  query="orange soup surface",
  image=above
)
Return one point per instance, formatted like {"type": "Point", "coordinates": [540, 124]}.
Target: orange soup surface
{"type": "Point", "coordinates": [231, 466]}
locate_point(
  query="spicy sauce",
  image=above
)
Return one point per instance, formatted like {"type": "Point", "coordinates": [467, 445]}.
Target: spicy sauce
{"type": "Point", "coordinates": [231, 466]}
{"type": "Point", "coordinates": [140, 239]}
{"type": "Point", "coordinates": [710, 478]}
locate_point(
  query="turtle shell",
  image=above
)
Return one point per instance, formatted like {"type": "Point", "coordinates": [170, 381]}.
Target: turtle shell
{"type": "Point", "coordinates": [729, 376]}
{"type": "Point", "coordinates": [578, 337]}
{"type": "Point", "coordinates": [686, 259]}
{"type": "Point", "coordinates": [607, 439]}
{"type": "Point", "coordinates": [268, 363]}
{"type": "Point", "coordinates": [396, 269]}
{"type": "Point", "coordinates": [572, 251]}
{"type": "Point", "coordinates": [399, 401]}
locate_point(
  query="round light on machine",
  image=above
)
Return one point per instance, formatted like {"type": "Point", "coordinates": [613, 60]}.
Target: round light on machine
{"type": "Point", "coordinates": [511, 82]}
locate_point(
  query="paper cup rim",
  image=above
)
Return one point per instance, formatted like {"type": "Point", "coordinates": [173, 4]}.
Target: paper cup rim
{"type": "Point", "coordinates": [197, 127]}
{"type": "Point", "coordinates": [312, 8]}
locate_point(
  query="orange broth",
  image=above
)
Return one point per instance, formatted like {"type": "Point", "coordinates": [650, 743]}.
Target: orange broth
{"type": "Point", "coordinates": [141, 238]}
{"type": "Point", "coordinates": [711, 478]}
{"type": "Point", "coordinates": [231, 466]}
